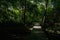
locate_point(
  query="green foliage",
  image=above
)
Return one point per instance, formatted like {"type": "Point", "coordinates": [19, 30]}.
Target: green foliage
{"type": "Point", "coordinates": [11, 11]}
{"type": "Point", "coordinates": [34, 11]}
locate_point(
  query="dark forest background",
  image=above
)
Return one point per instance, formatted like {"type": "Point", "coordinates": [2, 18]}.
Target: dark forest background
{"type": "Point", "coordinates": [17, 16]}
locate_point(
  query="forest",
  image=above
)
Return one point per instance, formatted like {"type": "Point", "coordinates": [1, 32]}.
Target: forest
{"type": "Point", "coordinates": [18, 16]}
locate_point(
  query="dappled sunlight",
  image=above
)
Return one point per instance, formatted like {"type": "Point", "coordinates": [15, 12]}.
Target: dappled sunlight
{"type": "Point", "coordinates": [31, 29]}
{"type": "Point", "coordinates": [32, 1]}
{"type": "Point", "coordinates": [37, 27]}
{"type": "Point", "coordinates": [58, 32]}
{"type": "Point", "coordinates": [30, 19]}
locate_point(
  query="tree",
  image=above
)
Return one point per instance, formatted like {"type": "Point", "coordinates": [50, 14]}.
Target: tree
{"type": "Point", "coordinates": [11, 11]}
